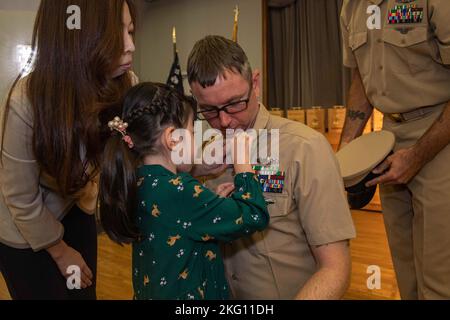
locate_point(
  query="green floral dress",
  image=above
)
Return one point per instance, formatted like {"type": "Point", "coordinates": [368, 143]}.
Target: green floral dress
{"type": "Point", "coordinates": [181, 223]}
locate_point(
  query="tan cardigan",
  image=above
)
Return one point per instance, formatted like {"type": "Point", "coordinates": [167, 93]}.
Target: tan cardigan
{"type": "Point", "coordinates": [31, 207]}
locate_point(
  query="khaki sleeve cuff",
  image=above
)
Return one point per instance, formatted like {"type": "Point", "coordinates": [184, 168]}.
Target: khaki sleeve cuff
{"type": "Point", "coordinates": [331, 236]}
{"type": "Point", "coordinates": [347, 52]}
{"type": "Point", "coordinates": [349, 60]}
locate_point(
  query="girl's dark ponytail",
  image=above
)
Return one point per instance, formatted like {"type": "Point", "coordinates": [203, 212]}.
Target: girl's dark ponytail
{"type": "Point", "coordinates": [148, 108]}
{"type": "Point", "coordinates": [118, 191]}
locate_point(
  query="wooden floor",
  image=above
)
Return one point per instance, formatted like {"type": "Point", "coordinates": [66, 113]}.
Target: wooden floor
{"type": "Point", "coordinates": [370, 248]}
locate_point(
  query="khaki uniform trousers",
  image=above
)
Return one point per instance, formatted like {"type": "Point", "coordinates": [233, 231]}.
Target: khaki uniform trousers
{"type": "Point", "coordinates": [417, 218]}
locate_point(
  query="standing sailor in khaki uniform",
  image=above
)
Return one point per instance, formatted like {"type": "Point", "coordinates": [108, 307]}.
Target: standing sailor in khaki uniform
{"type": "Point", "coordinates": [304, 252]}
{"type": "Point", "coordinates": [400, 50]}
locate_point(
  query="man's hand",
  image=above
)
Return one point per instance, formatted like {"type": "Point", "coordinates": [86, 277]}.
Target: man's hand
{"type": "Point", "coordinates": [205, 170]}
{"type": "Point", "coordinates": [400, 168]}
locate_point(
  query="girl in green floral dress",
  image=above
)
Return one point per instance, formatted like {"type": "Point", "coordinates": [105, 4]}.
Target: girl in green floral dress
{"type": "Point", "coordinates": [173, 221]}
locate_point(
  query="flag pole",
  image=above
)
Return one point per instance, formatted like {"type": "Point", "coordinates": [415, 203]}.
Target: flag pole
{"type": "Point", "coordinates": [175, 79]}
{"type": "Point", "coordinates": [236, 24]}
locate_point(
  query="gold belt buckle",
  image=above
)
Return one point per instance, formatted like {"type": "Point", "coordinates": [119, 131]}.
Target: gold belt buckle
{"type": "Point", "coordinates": [397, 117]}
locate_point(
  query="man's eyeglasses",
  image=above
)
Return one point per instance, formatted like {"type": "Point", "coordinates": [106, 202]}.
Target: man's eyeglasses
{"type": "Point", "coordinates": [212, 112]}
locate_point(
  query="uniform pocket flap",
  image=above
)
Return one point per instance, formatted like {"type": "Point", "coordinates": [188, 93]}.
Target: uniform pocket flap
{"type": "Point", "coordinates": [406, 39]}
{"type": "Point", "coordinates": [279, 204]}
{"type": "Point", "coordinates": [357, 39]}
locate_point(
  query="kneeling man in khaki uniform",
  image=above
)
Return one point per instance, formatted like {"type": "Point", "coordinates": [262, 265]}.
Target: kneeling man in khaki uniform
{"type": "Point", "coordinates": [304, 253]}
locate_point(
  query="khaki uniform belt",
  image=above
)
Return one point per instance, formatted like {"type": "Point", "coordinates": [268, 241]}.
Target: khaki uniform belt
{"type": "Point", "coordinates": [411, 115]}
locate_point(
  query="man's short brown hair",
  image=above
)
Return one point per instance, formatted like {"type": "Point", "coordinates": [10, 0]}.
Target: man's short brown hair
{"type": "Point", "coordinates": [212, 56]}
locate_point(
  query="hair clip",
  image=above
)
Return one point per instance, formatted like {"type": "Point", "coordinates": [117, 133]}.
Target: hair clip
{"type": "Point", "coordinates": [118, 125]}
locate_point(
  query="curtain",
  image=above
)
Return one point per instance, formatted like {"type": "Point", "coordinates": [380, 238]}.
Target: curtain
{"type": "Point", "coordinates": [305, 54]}
{"type": "Point", "coordinates": [280, 3]}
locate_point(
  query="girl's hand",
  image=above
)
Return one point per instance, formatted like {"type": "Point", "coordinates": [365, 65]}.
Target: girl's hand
{"type": "Point", "coordinates": [242, 153]}
{"type": "Point", "coordinates": [225, 189]}
{"type": "Point", "coordinates": [65, 256]}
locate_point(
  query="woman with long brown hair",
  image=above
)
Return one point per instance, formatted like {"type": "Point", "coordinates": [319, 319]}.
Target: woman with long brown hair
{"type": "Point", "coordinates": [51, 147]}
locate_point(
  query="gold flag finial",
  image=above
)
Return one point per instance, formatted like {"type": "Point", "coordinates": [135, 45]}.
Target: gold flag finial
{"type": "Point", "coordinates": [174, 35]}
{"type": "Point", "coordinates": [174, 40]}
{"type": "Point", "coordinates": [236, 23]}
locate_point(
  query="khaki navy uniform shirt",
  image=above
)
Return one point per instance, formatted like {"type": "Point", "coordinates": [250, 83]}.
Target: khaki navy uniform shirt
{"type": "Point", "coordinates": [403, 66]}
{"type": "Point", "coordinates": [312, 210]}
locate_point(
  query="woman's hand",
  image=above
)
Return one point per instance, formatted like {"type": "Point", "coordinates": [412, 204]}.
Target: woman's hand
{"type": "Point", "coordinates": [65, 256]}
{"type": "Point", "coordinates": [225, 189]}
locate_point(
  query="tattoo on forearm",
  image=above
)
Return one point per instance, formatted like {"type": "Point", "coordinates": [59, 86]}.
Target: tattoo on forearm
{"type": "Point", "coordinates": [354, 114]}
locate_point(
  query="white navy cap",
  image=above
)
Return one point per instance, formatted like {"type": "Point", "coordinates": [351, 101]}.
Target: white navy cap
{"type": "Point", "coordinates": [358, 159]}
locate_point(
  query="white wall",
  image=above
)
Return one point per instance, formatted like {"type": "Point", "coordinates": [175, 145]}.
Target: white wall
{"type": "Point", "coordinates": [193, 19]}
{"type": "Point", "coordinates": [19, 5]}
{"type": "Point", "coordinates": [16, 27]}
